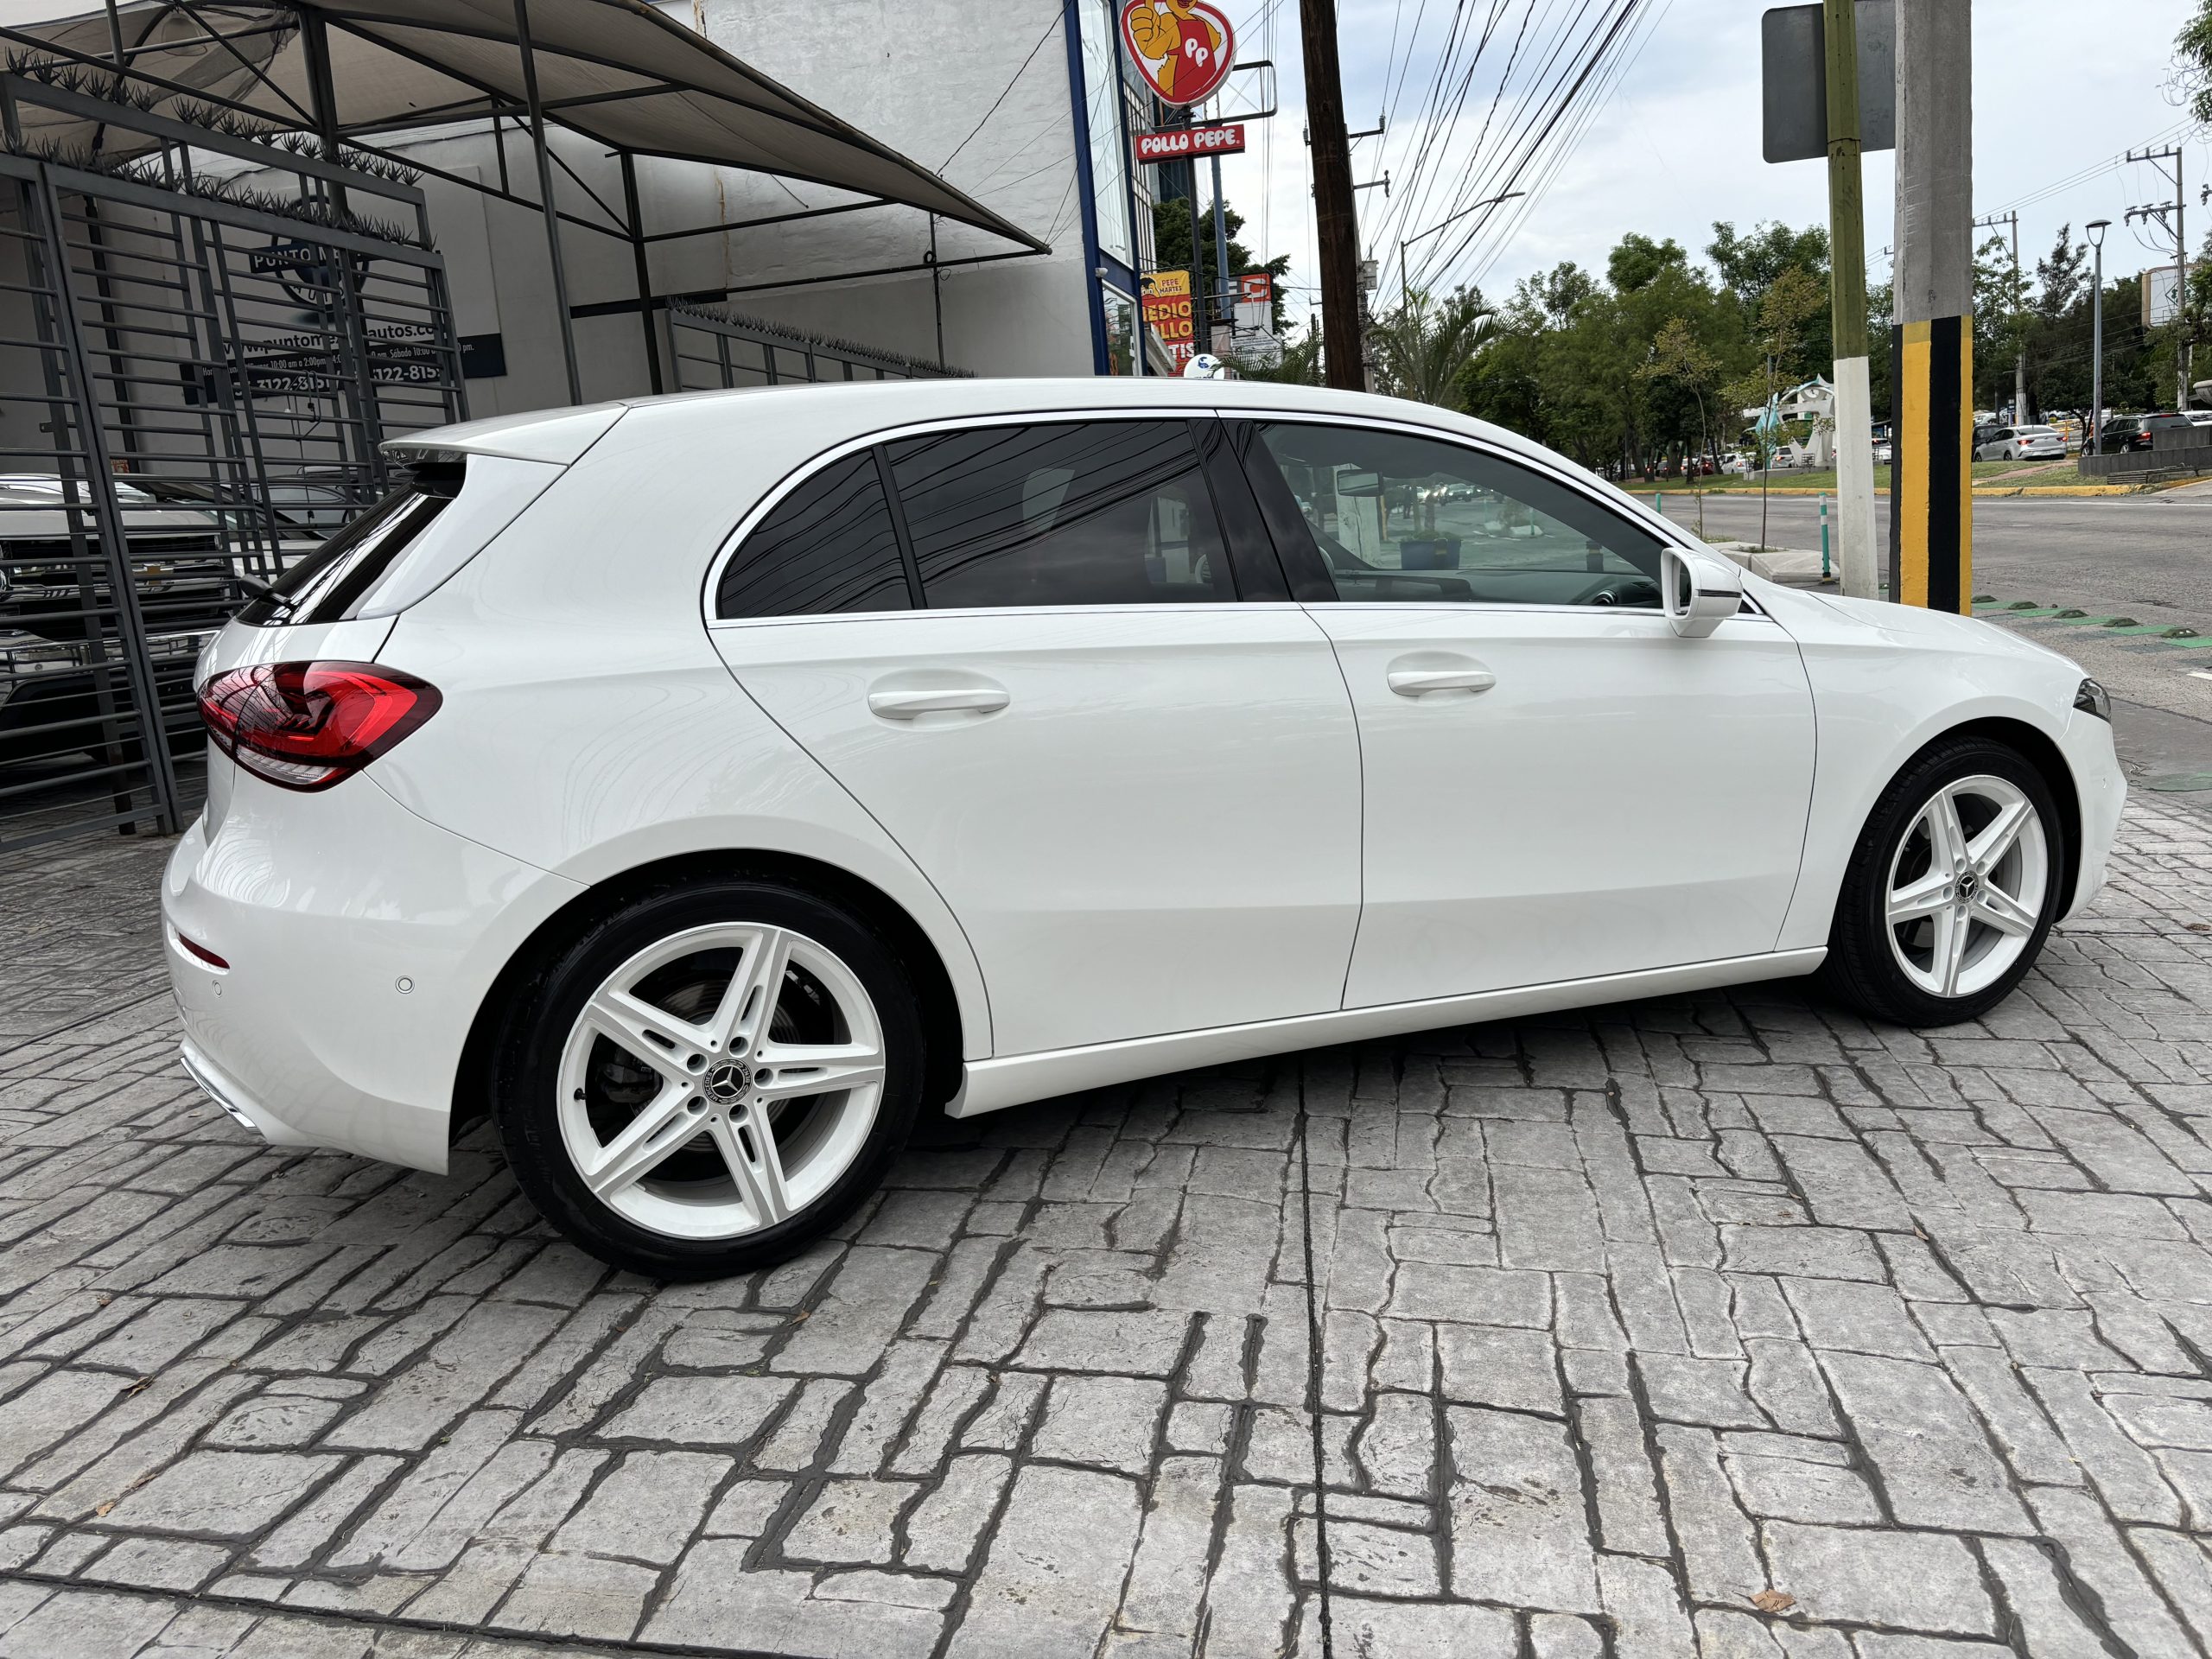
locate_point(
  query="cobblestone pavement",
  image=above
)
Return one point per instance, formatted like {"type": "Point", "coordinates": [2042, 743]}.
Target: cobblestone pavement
{"type": "Point", "coordinates": [1724, 1326]}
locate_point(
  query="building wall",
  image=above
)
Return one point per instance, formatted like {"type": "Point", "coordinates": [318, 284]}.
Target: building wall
{"type": "Point", "coordinates": [982, 100]}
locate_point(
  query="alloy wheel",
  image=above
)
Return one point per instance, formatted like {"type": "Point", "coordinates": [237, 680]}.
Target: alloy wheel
{"type": "Point", "coordinates": [719, 1081]}
{"type": "Point", "coordinates": [1966, 885]}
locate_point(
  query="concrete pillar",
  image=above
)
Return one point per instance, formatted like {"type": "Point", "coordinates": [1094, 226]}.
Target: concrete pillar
{"type": "Point", "coordinates": [1931, 474]}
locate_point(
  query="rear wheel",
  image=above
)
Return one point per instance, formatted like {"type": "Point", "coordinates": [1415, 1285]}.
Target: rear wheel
{"type": "Point", "coordinates": [1951, 888]}
{"type": "Point", "coordinates": [712, 1078]}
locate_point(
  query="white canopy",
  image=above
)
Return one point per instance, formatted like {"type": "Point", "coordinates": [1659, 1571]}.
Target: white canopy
{"type": "Point", "coordinates": [616, 71]}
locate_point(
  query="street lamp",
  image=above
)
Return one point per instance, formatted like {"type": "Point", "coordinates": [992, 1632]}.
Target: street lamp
{"type": "Point", "coordinates": [1405, 242]}
{"type": "Point", "coordinates": [2096, 228]}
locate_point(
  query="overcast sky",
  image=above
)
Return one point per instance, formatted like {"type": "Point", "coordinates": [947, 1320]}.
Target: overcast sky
{"type": "Point", "coordinates": [2062, 90]}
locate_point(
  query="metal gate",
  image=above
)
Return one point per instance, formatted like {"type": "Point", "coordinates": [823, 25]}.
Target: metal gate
{"type": "Point", "coordinates": [200, 348]}
{"type": "Point", "coordinates": [716, 349]}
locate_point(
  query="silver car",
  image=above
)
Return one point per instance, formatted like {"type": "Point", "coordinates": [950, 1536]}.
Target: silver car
{"type": "Point", "coordinates": [2022, 443]}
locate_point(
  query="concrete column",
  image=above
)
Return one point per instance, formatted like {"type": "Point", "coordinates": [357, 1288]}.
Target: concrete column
{"type": "Point", "coordinates": [1931, 475]}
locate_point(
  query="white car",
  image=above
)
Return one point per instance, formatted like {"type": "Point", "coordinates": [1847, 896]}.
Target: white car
{"type": "Point", "coordinates": [705, 787]}
{"type": "Point", "coordinates": [2022, 443]}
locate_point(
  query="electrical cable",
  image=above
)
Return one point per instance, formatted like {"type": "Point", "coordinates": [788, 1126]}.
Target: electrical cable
{"type": "Point", "coordinates": [1527, 147]}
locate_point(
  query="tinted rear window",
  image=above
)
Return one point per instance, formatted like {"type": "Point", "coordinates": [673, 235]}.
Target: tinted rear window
{"type": "Point", "coordinates": [827, 546]}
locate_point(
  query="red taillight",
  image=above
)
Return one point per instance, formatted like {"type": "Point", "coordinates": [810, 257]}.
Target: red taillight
{"type": "Point", "coordinates": [306, 725]}
{"type": "Point", "coordinates": [196, 948]}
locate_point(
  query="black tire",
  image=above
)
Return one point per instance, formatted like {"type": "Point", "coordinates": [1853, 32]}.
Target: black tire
{"type": "Point", "coordinates": [1861, 969]}
{"type": "Point", "coordinates": [527, 1080]}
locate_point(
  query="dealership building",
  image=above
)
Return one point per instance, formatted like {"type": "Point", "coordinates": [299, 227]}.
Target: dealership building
{"type": "Point", "coordinates": [242, 246]}
{"type": "Point", "coordinates": [973, 204]}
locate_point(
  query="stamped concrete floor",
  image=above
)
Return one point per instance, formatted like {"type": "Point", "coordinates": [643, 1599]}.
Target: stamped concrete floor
{"type": "Point", "coordinates": [1724, 1326]}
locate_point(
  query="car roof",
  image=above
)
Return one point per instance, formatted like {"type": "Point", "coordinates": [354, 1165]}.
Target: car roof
{"type": "Point", "coordinates": [563, 434]}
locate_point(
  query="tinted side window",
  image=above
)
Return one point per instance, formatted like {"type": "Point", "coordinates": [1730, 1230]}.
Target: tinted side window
{"type": "Point", "coordinates": [1103, 512]}
{"type": "Point", "coordinates": [321, 585]}
{"type": "Point", "coordinates": [1399, 518]}
{"type": "Point", "coordinates": [827, 546]}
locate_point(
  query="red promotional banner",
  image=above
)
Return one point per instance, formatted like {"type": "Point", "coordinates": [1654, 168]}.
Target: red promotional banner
{"type": "Point", "coordinates": [1174, 143]}
{"type": "Point", "coordinates": [1167, 311]}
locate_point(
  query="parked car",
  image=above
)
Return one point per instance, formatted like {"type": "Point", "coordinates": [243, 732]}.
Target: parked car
{"type": "Point", "coordinates": [742, 776]}
{"type": "Point", "coordinates": [2135, 431]}
{"type": "Point", "coordinates": [1882, 451]}
{"type": "Point", "coordinates": [60, 662]}
{"type": "Point", "coordinates": [2021, 444]}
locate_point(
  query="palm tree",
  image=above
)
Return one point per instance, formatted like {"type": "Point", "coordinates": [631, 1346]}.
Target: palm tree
{"type": "Point", "coordinates": [1423, 348]}
{"type": "Point", "coordinates": [1300, 364]}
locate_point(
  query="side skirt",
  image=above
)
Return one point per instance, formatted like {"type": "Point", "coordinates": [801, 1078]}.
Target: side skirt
{"type": "Point", "coordinates": [991, 1085]}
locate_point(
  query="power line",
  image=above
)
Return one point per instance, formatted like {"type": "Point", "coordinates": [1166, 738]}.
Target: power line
{"type": "Point", "coordinates": [1005, 92]}
{"type": "Point", "coordinates": [1605, 51]}
{"type": "Point", "coordinates": [1504, 172]}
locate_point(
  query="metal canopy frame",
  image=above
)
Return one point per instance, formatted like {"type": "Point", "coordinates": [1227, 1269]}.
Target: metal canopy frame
{"type": "Point", "coordinates": [312, 20]}
{"type": "Point", "coordinates": [182, 353]}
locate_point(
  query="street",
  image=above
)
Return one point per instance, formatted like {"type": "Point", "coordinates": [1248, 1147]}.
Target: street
{"type": "Point", "coordinates": [2147, 557]}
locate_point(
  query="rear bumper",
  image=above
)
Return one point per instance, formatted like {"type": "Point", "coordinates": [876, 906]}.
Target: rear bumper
{"type": "Point", "coordinates": [360, 941]}
{"type": "Point", "coordinates": [226, 1094]}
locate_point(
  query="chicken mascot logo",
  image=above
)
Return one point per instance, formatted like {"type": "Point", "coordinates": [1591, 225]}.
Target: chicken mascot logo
{"type": "Point", "coordinates": [1183, 47]}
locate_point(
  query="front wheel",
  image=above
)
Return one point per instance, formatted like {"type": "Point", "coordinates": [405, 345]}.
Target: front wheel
{"type": "Point", "coordinates": [712, 1078]}
{"type": "Point", "coordinates": [1951, 888]}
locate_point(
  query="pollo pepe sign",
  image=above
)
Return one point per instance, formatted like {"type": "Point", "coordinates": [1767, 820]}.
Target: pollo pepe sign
{"type": "Point", "coordinates": [1174, 143]}
{"type": "Point", "coordinates": [1183, 49]}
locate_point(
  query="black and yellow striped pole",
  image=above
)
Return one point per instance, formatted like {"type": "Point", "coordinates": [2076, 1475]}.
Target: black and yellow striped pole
{"type": "Point", "coordinates": [1931, 362]}
{"type": "Point", "coordinates": [1931, 474]}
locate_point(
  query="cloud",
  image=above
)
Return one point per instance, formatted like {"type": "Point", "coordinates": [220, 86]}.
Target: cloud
{"type": "Point", "coordinates": [1676, 145]}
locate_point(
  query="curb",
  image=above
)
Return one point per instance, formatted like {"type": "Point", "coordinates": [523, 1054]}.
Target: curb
{"type": "Point", "coordinates": [1980, 493]}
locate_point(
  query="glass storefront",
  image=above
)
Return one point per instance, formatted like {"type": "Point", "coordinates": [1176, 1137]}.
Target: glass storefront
{"type": "Point", "coordinates": [1121, 329]}
{"type": "Point", "coordinates": [1109, 165]}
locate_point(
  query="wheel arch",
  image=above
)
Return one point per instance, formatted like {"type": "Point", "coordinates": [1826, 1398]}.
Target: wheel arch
{"type": "Point", "coordinates": [2039, 750]}
{"type": "Point", "coordinates": [492, 1028]}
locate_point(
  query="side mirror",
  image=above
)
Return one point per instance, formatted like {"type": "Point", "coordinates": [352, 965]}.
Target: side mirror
{"type": "Point", "coordinates": [1698, 591]}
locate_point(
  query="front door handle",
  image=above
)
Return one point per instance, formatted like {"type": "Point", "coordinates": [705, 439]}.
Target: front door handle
{"type": "Point", "coordinates": [937, 699]}
{"type": "Point", "coordinates": [1420, 682]}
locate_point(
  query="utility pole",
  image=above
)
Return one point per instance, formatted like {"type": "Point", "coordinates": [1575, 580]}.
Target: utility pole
{"type": "Point", "coordinates": [2020, 334]}
{"type": "Point", "coordinates": [1931, 502]}
{"type": "Point", "coordinates": [1854, 412]}
{"type": "Point", "coordinates": [1334, 212]}
{"type": "Point", "coordinates": [2159, 210]}
{"type": "Point", "coordinates": [2096, 227]}
{"type": "Point", "coordinates": [1220, 255]}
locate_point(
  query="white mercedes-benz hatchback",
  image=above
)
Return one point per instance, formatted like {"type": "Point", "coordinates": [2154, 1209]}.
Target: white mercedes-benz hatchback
{"type": "Point", "coordinates": [704, 786]}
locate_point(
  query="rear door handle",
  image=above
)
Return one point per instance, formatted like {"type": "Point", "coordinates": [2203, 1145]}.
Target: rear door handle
{"type": "Point", "coordinates": [1420, 682]}
{"type": "Point", "coordinates": [938, 700]}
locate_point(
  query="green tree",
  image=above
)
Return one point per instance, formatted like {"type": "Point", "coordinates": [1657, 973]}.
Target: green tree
{"type": "Point", "coordinates": [2000, 322]}
{"type": "Point", "coordinates": [1750, 264]}
{"type": "Point", "coordinates": [1677, 357]}
{"type": "Point", "coordinates": [1301, 359]}
{"type": "Point", "coordinates": [1423, 347]}
{"type": "Point", "coordinates": [1791, 302]}
{"type": "Point", "coordinates": [1636, 262]}
{"type": "Point", "coordinates": [2057, 332]}
{"type": "Point", "coordinates": [1881, 318]}
{"type": "Point", "coordinates": [2194, 48]}
{"type": "Point", "coordinates": [1171, 247]}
